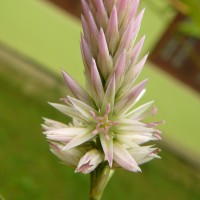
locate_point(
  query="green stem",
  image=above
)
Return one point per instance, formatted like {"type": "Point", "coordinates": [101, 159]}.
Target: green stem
{"type": "Point", "coordinates": [98, 181]}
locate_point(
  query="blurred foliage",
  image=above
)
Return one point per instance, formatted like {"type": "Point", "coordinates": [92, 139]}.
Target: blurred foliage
{"type": "Point", "coordinates": [191, 9]}
{"type": "Point", "coordinates": [190, 28]}
{"type": "Point", "coordinates": [1, 197]}
{"type": "Point", "coordinates": [28, 169]}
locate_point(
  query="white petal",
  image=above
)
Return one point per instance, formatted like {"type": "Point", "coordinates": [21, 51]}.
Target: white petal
{"type": "Point", "coordinates": [70, 131]}
{"type": "Point", "coordinates": [64, 134]}
{"type": "Point", "coordinates": [123, 158]}
{"type": "Point", "coordinates": [130, 122]}
{"type": "Point", "coordinates": [140, 139]}
{"type": "Point", "coordinates": [70, 157]}
{"type": "Point", "coordinates": [126, 140]}
{"type": "Point", "coordinates": [135, 129]}
{"type": "Point", "coordinates": [143, 154]}
{"type": "Point", "coordinates": [51, 125]}
{"type": "Point", "coordinates": [66, 110]}
{"type": "Point", "coordinates": [54, 124]}
{"type": "Point", "coordinates": [80, 139]}
{"type": "Point", "coordinates": [83, 108]}
{"type": "Point", "coordinates": [59, 138]}
{"type": "Point", "coordinates": [107, 145]}
{"type": "Point", "coordinates": [135, 114]}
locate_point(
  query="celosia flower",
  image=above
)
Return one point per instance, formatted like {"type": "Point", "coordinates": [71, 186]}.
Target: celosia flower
{"type": "Point", "coordinates": [107, 126]}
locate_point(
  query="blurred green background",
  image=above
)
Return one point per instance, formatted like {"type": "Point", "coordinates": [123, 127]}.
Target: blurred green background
{"type": "Point", "coordinates": [36, 41]}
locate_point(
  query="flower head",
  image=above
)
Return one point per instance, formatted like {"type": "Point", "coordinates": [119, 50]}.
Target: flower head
{"type": "Point", "coordinates": [106, 126]}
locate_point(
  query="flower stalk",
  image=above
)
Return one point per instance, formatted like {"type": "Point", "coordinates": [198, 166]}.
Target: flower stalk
{"type": "Point", "coordinates": [98, 181]}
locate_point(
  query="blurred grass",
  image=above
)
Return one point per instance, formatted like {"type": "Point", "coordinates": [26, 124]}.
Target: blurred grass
{"type": "Point", "coordinates": [28, 170]}
{"type": "Point", "coordinates": [194, 6]}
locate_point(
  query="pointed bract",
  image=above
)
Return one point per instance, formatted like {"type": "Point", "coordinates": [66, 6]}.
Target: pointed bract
{"type": "Point", "coordinates": [82, 108]}
{"type": "Point", "coordinates": [112, 31]}
{"type": "Point", "coordinates": [86, 53]}
{"type": "Point", "coordinates": [101, 13]}
{"type": "Point", "coordinates": [80, 139]}
{"type": "Point", "coordinates": [124, 158]}
{"type": "Point", "coordinates": [76, 89]}
{"type": "Point", "coordinates": [127, 101]}
{"type": "Point", "coordinates": [107, 144]}
{"type": "Point", "coordinates": [96, 85]}
{"type": "Point", "coordinates": [104, 59]}
{"type": "Point", "coordinates": [109, 97]}
{"type": "Point", "coordinates": [119, 70]}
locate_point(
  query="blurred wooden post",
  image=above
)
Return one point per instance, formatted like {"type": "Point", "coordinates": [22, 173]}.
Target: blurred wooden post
{"type": "Point", "coordinates": [180, 6]}
{"type": "Point", "coordinates": [178, 54]}
{"type": "Point", "coordinates": [71, 6]}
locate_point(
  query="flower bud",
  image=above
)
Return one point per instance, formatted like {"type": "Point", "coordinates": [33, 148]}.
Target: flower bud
{"type": "Point", "coordinates": [89, 161]}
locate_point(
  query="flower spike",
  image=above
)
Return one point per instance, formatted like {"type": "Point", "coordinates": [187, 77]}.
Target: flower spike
{"type": "Point", "coordinates": [107, 130]}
